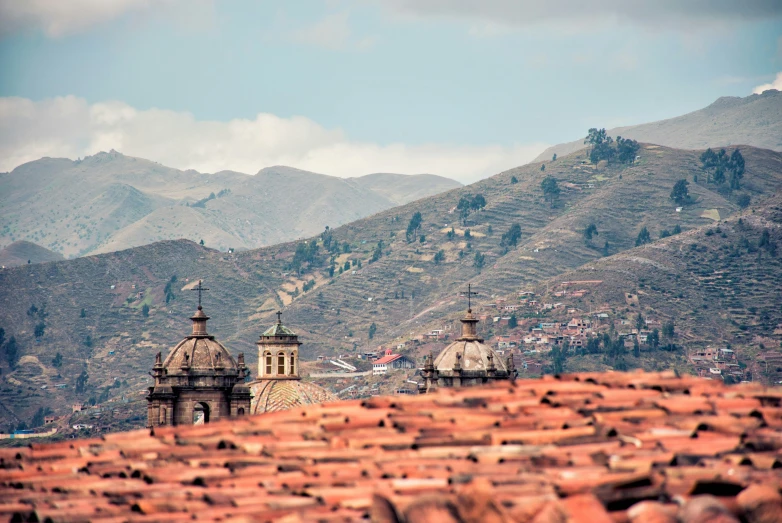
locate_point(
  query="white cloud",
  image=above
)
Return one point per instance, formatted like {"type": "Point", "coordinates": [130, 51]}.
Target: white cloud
{"type": "Point", "coordinates": [570, 15]}
{"type": "Point", "coordinates": [776, 84]}
{"type": "Point", "coordinates": [58, 18]}
{"type": "Point", "coordinates": [70, 127]}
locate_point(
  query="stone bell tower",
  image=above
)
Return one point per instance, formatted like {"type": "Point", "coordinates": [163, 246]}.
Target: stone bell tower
{"type": "Point", "coordinates": [278, 353]}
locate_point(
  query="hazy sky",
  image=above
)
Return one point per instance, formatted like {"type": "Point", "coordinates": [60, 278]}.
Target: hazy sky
{"type": "Point", "coordinates": [460, 88]}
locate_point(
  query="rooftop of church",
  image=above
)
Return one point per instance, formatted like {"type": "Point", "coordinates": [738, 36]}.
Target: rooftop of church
{"type": "Point", "coordinates": [594, 447]}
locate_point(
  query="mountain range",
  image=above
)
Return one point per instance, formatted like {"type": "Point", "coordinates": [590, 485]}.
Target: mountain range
{"type": "Point", "coordinates": [110, 201]}
{"type": "Point", "coordinates": [108, 314]}
{"type": "Point", "coordinates": [753, 120]}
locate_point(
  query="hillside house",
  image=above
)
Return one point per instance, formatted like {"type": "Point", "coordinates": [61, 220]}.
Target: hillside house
{"type": "Point", "coordinates": [391, 361]}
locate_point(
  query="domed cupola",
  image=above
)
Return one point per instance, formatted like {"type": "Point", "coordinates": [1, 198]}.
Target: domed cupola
{"type": "Point", "coordinates": [199, 381]}
{"type": "Point", "coordinates": [467, 361]}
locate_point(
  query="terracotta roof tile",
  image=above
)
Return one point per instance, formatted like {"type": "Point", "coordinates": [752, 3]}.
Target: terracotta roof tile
{"type": "Point", "coordinates": [631, 447]}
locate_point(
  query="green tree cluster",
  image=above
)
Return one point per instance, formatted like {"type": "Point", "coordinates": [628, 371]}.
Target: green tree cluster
{"type": "Point", "coordinates": [467, 204]}
{"type": "Point", "coordinates": [590, 232]}
{"type": "Point", "coordinates": [680, 193]}
{"type": "Point", "coordinates": [479, 261]}
{"type": "Point", "coordinates": [643, 237]}
{"type": "Point", "coordinates": [603, 148]}
{"type": "Point", "coordinates": [720, 167]}
{"type": "Point", "coordinates": [413, 226]}
{"type": "Point", "coordinates": [439, 257]}
{"type": "Point", "coordinates": [372, 330]}
{"type": "Point", "coordinates": [512, 237]}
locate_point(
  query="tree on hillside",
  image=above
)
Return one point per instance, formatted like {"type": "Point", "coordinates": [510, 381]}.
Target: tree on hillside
{"type": "Point", "coordinates": [479, 261]}
{"type": "Point", "coordinates": [439, 257]}
{"type": "Point", "coordinates": [145, 310]}
{"type": "Point", "coordinates": [601, 145]}
{"type": "Point", "coordinates": [639, 322]}
{"type": "Point", "coordinates": [372, 330]}
{"type": "Point", "coordinates": [513, 322]}
{"type": "Point", "coordinates": [743, 200]}
{"type": "Point", "coordinates": [468, 204]}
{"type": "Point", "coordinates": [11, 352]}
{"type": "Point", "coordinates": [653, 340]}
{"type": "Point", "coordinates": [669, 330]}
{"type": "Point", "coordinates": [550, 188]}
{"type": "Point", "coordinates": [39, 329]}
{"type": "Point", "coordinates": [83, 313]}
{"type": "Point", "coordinates": [636, 348]}
{"type": "Point", "coordinates": [201, 242]}
{"type": "Point", "coordinates": [543, 167]}
{"type": "Point", "coordinates": [643, 237]}
{"type": "Point", "coordinates": [589, 232]}
{"type": "Point", "coordinates": [512, 237]}
{"type": "Point", "coordinates": [605, 249]}
{"type": "Point", "coordinates": [81, 382]}
{"type": "Point", "coordinates": [680, 193]}
{"type": "Point", "coordinates": [626, 149]}
{"type": "Point", "coordinates": [377, 253]}
{"type": "Point", "coordinates": [57, 361]}
{"type": "Point", "coordinates": [554, 158]}
{"type": "Point", "coordinates": [413, 226]}
{"type": "Point", "coordinates": [513, 180]}
{"type": "Point", "coordinates": [2, 336]}
{"type": "Point", "coordinates": [451, 234]}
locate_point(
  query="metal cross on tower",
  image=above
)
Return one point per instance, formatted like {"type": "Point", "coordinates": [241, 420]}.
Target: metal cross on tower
{"type": "Point", "coordinates": [469, 295]}
{"type": "Point", "coordinates": [200, 289]}
{"type": "Point", "coordinates": [279, 316]}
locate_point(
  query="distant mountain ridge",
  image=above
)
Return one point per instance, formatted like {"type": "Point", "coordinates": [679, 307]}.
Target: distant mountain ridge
{"type": "Point", "coordinates": [754, 120]}
{"type": "Point", "coordinates": [110, 201]}
{"type": "Point", "coordinates": [22, 252]}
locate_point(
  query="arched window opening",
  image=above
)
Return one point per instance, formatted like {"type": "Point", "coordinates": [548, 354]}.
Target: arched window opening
{"type": "Point", "coordinates": [200, 414]}
{"type": "Point", "coordinates": [281, 364]}
{"type": "Point", "coordinates": [293, 365]}
{"type": "Point", "coordinates": [162, 415]}
{"type": "Point", "coordinates": [268, 363]}
{"type": "Point", "coordinates": [240, 411]}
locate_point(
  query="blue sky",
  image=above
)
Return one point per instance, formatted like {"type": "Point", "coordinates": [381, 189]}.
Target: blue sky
{"type": "Point", "coordinates": [462, 88]}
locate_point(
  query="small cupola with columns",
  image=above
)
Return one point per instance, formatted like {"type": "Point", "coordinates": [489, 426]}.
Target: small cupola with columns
{"type": "Point", "coordinates": [278, 353]}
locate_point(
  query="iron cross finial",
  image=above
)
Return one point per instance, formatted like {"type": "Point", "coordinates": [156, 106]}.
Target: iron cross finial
{"type": "Point", "coordinates": [200, 289]}
{"type": "Point", "coordinates": [470, 294]}
{"type": "Point", "coordinates": [279, 316]}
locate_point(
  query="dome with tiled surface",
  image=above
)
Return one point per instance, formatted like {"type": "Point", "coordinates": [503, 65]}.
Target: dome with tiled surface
{"type": "Point", "coordinates": [200, 354]}
{"type": "Point", "coordinates": [277, 395]}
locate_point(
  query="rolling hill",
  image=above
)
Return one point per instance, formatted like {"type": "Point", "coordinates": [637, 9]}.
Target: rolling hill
{"type": "Point", "coordinates": [21, 252]}
{"type": "Point", "coordinates": [753, 120]}
{"type": "Point", "coordinates": [397, 284]}
{"type": "Point", "coordinates": [109, 202]}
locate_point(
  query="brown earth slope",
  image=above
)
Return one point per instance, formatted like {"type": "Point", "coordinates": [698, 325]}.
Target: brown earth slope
{"type": "Point", "coordinates": [404, 292]}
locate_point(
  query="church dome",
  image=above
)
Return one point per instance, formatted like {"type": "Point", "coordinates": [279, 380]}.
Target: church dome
{"type": "Point", "coordinates": [468, 351]}
{"type": "Point", "coordinates": [199, 351]}
{"type": "Point", "coordinates": [472, 356]}
{"type": "Point", "coordinates": [275, 395]}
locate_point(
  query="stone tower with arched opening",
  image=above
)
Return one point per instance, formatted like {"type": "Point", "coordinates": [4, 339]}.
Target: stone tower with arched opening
{"type": "Point", "coordinates": [199, 381]}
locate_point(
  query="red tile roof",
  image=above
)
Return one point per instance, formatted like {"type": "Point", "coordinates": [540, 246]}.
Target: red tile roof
{"type": "Point", "coordinates": [629, 447]}
{"type": "Point", "coordinates": [387, 359]}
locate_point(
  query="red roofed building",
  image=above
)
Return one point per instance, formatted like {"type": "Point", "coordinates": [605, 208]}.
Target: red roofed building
{"type": "Point", "coordinates": [391, 361]}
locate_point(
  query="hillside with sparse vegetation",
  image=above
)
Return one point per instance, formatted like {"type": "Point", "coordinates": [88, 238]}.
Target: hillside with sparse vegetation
{"type": "Point", "coordinates": [398, 273]}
